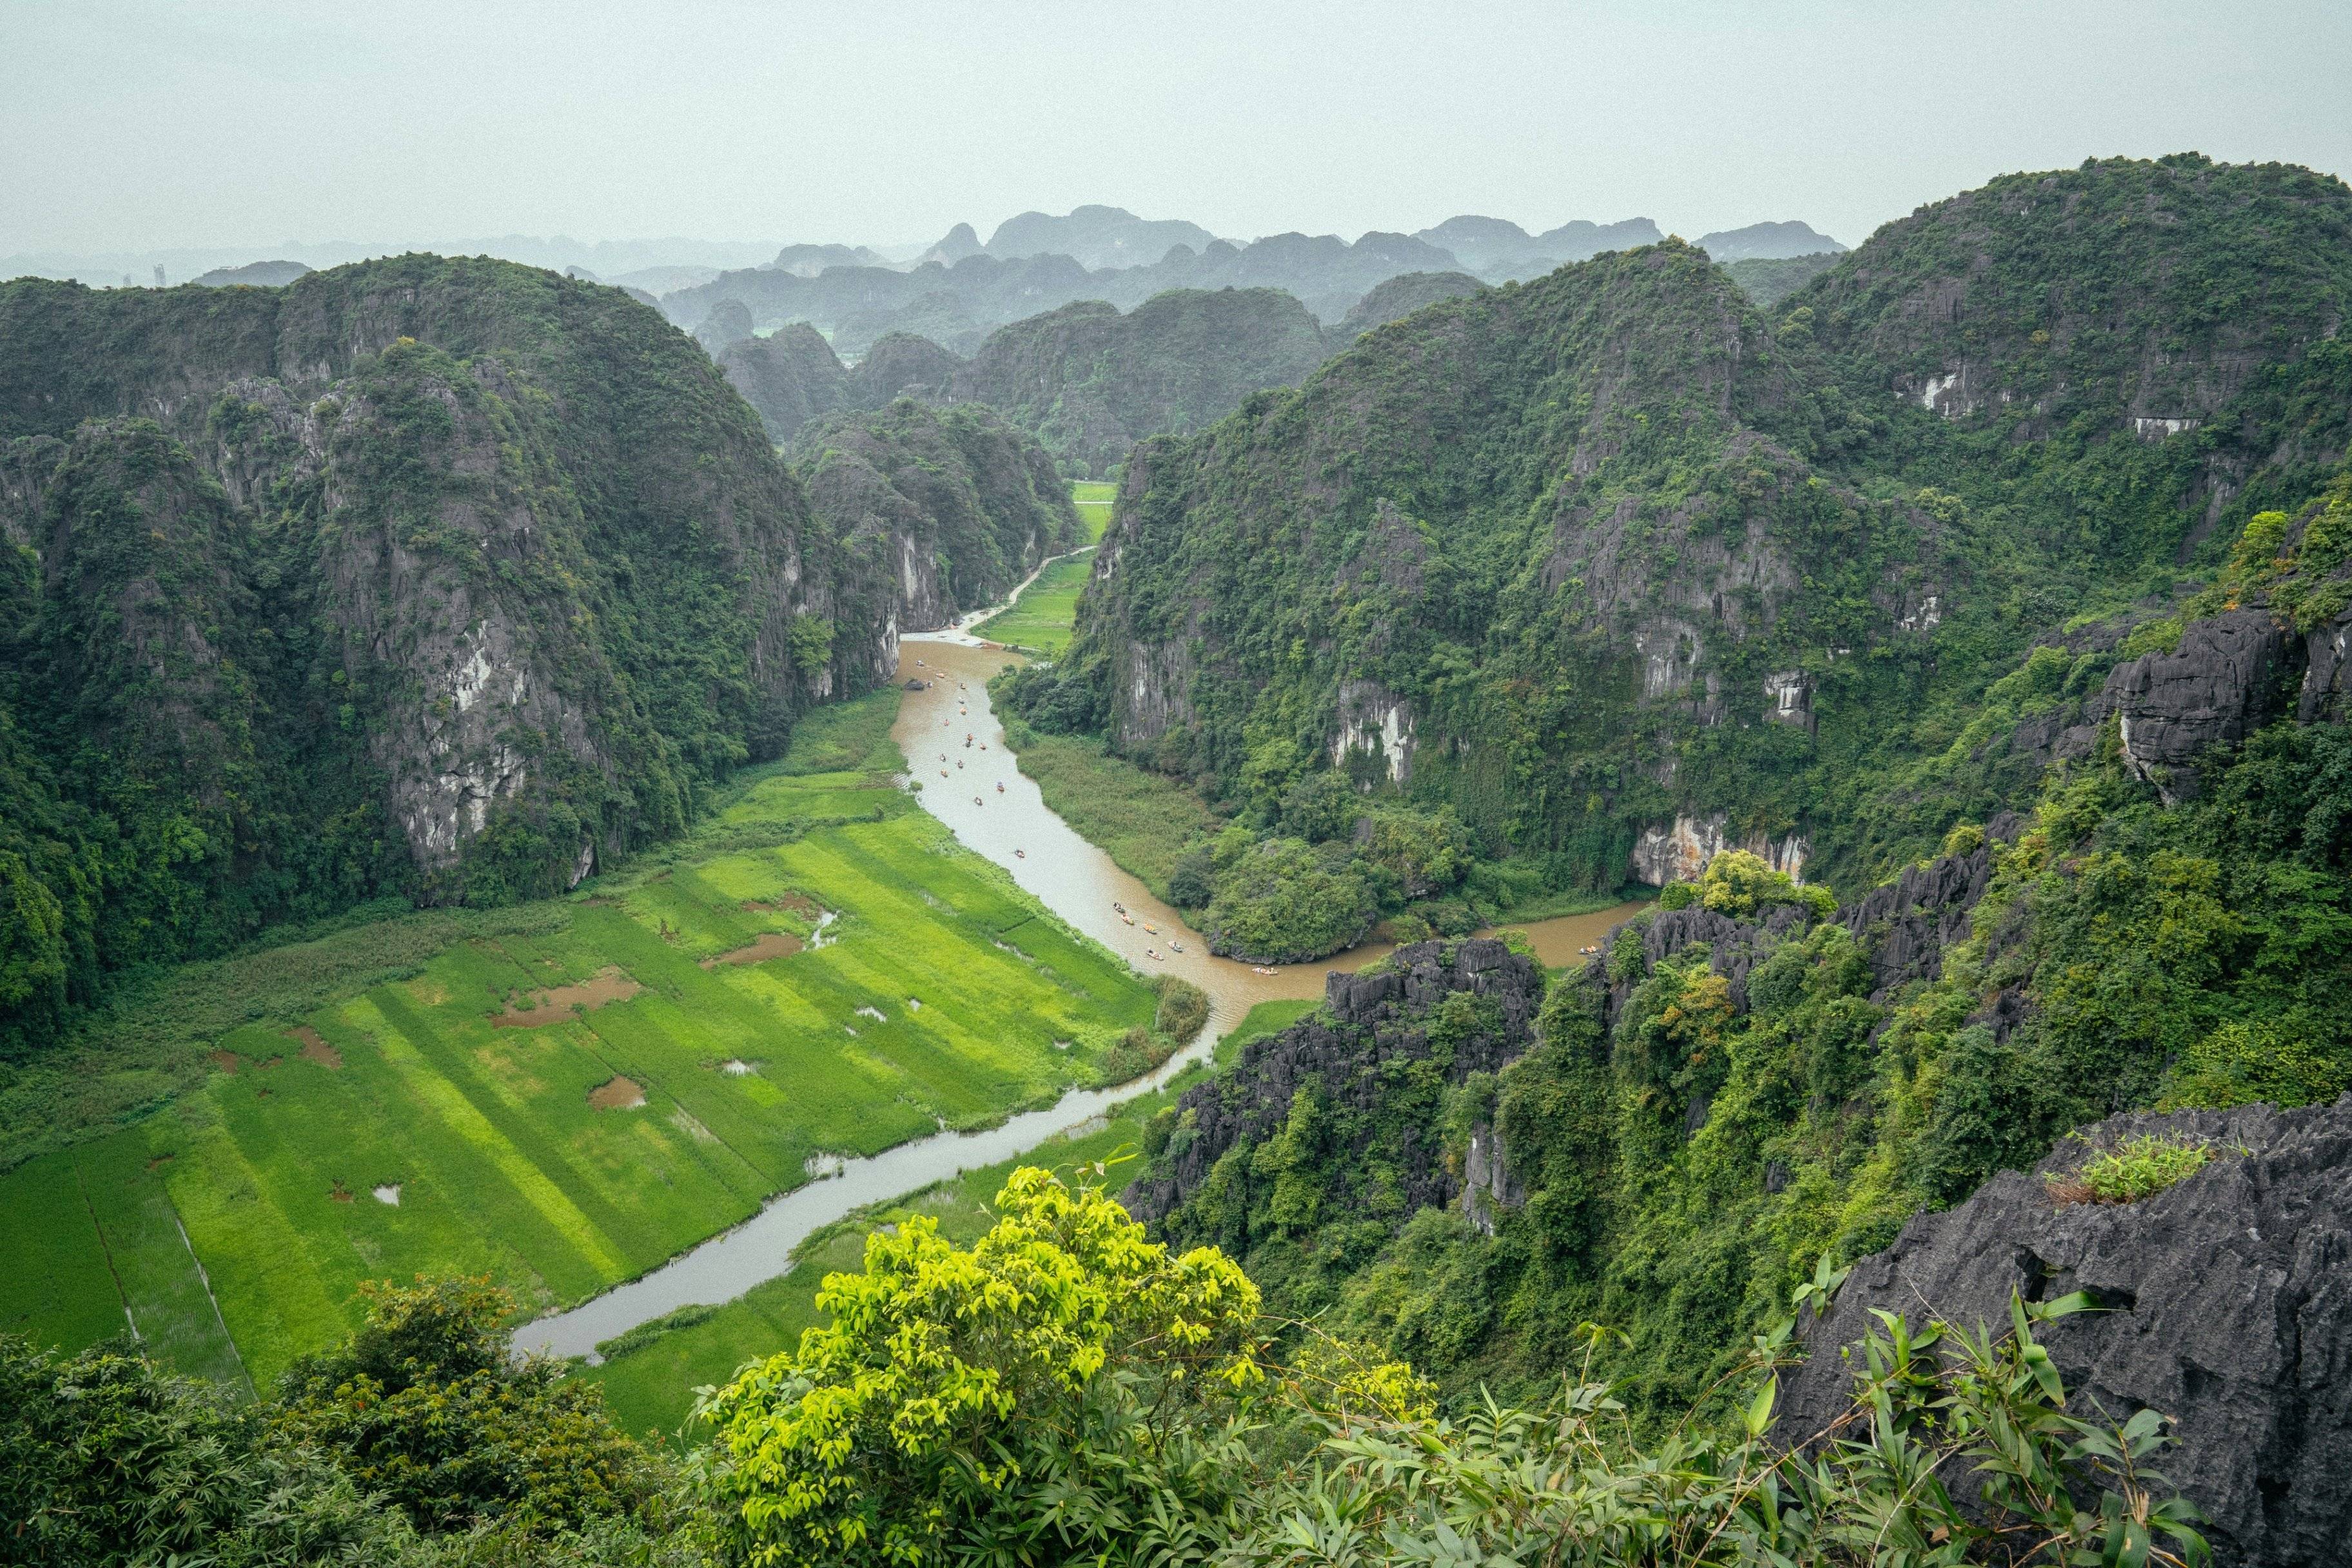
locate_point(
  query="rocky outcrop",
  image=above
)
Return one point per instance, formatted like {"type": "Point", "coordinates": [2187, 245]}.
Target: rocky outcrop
{"type": "Point", "coordinates": [1374, 721]}
{"type": "Point", "coordinates": [2327, 694]}
{"type": "Point", "coordinates": [1679, 851]}
{"type": "Point", "coordinates": [2228, 675]}
{"type": "Point", "coordinates": [1906, 925]}
{"type": "Point", "coordinates": [1370, 1024]}
{"type": "Point", "coordinates": [2226, 1303]}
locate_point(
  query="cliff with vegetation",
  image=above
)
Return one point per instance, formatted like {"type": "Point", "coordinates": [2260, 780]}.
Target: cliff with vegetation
{"type": "Point", "coordinates": [432, 579]}
{"type": "Point", "coordinates": [1091, 382]}
{"type": "Point", "coordinates": [1622, 572]}
{"type": "Point", "coordinates": [935, 510]}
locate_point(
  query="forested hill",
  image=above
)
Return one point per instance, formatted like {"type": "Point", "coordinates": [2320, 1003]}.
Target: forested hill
{"type": "Point", "coordinates": [1621, 571]}
{"type": "Point", "coordinates": [444, 579]}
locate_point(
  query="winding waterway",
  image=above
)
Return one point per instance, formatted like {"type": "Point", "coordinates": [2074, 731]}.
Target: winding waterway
{"type": "Point", "coordinates": [993, 808]}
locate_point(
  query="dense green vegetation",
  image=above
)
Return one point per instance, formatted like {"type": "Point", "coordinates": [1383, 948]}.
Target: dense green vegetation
{"type": "Point", "coordinates": [953, 503]}
{"type": "Point", "coordinates": [1692, 1150]}
{"type": "Point", "coordinates": [389, 1099]}
{"type": "Point", "coordinates": [1768, 281]}
{"type": "Point", "coordinates": [1555, 554]}
{"type": "Point", "coordinates": [1090, 382]}
{"type": "Point", "coordinates": [438, 580]}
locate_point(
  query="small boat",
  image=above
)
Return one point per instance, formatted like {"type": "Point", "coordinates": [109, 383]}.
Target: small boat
{"type": "Point", "coordinates": [1117, 906]}
{"type": "Point", "coordinates": [1000, 789]}
{"type": "Point", "coordinates": [1260, 969]}
{"type": "Point", "coordinates": [983, 746]}
{"type": "Point", "coordinates": [1129, 919]}
{"type": "Point", "coordinates": [975, 800]}
{"type": "Point", "coordinates": [1152, 953]}
{"type": "Point", "coordinates": [1153, 929]}
{"type": "Point", "coordinates": [1021, 854]}
{"type": "Point", "coordinates": [958, 762]}
{"type": "Point", "coordinates": [943, 773]}
{"type": "Point", "coordinates": [1177, 946]}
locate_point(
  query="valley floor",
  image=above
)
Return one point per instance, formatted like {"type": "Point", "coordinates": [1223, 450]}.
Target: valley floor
{"type": "Point", "coordinates": [581, 1088]}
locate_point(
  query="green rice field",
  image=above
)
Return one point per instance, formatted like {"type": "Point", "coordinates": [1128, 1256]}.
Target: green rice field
{"type": "Point", "coordinates": [569, 1094]}
{"type": "Point", "coordinates": [1093, 500]}
{"type": "Point", "coordinates": [1040, 618]}
{"type": "Point", "coordinates": [650, 1375]}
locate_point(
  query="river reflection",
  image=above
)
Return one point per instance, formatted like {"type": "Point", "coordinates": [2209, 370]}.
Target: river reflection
{"type": "Point", "coordinates": [991, 807]}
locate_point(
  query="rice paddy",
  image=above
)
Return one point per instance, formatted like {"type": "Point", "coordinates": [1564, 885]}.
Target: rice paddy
{"type": "Point", "coordinates": [1041, 619]}
{"type": "Point", "coordinates": [1094, 501]}
{"type": "Point", "coordinates": [569, 1096]}
{"type": "Point", "coordinates": [651, 1373]}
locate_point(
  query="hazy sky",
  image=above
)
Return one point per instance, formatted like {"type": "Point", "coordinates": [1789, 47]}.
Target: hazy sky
{"type": "Point", "coordinates": [136, 124]}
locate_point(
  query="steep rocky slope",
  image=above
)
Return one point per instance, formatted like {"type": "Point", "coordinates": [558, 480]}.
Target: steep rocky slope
{"type": "Point", "coordinates": [436, 577]}
{"type": "Point", "coordinates": [1623, 571]}
{"type": "Point", "coordinates": [2221, 1302]}
{"type": "Point", "coordinates": [935, 510]}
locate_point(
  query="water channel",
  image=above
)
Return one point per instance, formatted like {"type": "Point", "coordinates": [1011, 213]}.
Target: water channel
{"type": "Point", "coordinates": [992, 808]}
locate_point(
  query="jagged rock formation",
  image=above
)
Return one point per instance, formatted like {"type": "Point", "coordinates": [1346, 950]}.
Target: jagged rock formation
{"type": "Point", "coordinates": [2227, 676]}
{"type": "Point", "coordinates": [1373, 1025]}
{"type": "Point", "coordinates": [2223, 1304]}
{"type": "Point", "coordinates": [1400, 297]}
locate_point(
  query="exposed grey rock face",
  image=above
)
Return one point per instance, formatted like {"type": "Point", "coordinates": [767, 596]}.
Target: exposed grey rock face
{"type": "Point", "coordinates": [2328, 674]}
{"type": "Point", "coordinates": [1679, 850]}
{"type": "Point", "coordinates": [2228, 1306]}
{"type": "Point", "coordinates": [2223, 681]}
{"type": "Point", "coordinates": [1375, 1020]}
{"type": "Point", "coordinates": [1906, 925]}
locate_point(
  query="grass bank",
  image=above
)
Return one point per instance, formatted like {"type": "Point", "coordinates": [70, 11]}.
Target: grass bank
{"type": "Point", "coordinates": [566, 1094]}
{"type": "Point", "coordinates": [1142, 820]}
{"type": "Point", "coordinates": [1093, 500]}
{"type": "Point", "coordinates": [1040, 618]}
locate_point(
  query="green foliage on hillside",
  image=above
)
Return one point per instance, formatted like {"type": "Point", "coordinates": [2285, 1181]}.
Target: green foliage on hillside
{"type": "Point", "coordinates": [1091, 382]}
{"type": "Point", "coordinates": [974, 500]}
{"type": "Point", "coordinates": [425, 578]}
{"type": "Point", "coordinates": [1768, 281]}
{"type": "Point", "coordinates": [1576, 531]}
{"type": "Point", "coordinates": [1692, 1152]}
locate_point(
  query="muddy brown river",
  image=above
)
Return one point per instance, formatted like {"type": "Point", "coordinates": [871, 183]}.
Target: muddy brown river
{"type": "Point", "coordinates": [1070, 876]}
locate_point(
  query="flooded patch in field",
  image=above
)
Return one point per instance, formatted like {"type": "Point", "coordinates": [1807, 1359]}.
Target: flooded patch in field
{"type": "Point", "coordinates": [389, 1194]}
{"type": "Point", "coordinates": [227, 1061]}
{"type": "Point", "coordinates": [820, 1166]}
{"type": "Point", "coordinates": [914, 1006]}
{"type": "Point", "coordinates": [798, 903]}
{"type": "Point", "coordinates": [691, 1128]}
{"type": "Point", "coordinates": [619, 1094]}
{"type": "Point", "coordinates": [771, 944]}
{"type": "Point", "coordinates": [736, 1067]}
{"type": "Point", "coordinates": [314, 1047]}
{"type": "Point", "coordinates": [558, 1003]}
{"type": "Point", "coordinates": [874, 1013]}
